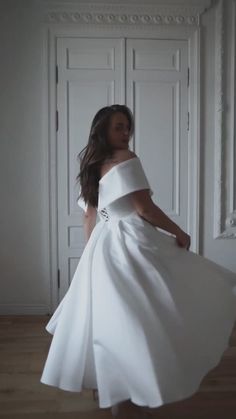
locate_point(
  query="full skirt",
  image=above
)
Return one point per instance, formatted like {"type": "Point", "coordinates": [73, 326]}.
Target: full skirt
{"type": "Point", "coordinates": [143, 319]}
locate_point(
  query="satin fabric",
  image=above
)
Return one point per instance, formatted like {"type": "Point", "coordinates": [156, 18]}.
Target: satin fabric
{"type": "Point", "coordinates": [143, 318]}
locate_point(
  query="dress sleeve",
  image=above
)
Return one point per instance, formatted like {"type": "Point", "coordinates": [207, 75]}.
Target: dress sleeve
{"type": "Point", "coordinates": [124, 178]}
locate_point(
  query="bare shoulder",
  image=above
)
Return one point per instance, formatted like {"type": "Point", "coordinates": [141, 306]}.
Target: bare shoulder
{"type": "Point", "coordinates": [122, 155]}
{"type": "Point", "coordinates": [118, 157]}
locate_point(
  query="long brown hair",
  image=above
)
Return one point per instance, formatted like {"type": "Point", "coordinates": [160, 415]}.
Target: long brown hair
{"type": "Point", "coordinates": [97, 150]}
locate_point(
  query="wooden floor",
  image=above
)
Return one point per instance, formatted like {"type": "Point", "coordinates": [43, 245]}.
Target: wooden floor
{"type": "Point", "coordinates": [24, 345]}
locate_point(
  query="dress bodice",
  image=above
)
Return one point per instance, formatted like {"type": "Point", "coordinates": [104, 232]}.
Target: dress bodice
{"type": "Point", "coordinates": [115, 186]}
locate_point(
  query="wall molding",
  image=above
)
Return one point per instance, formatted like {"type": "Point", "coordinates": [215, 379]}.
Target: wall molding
{"type": "Point", "coordinates": [110, 13]}
{"type": "Point", "coordinates": [224, 189]}
{"type": "Point", "coordinates": [118, 18]}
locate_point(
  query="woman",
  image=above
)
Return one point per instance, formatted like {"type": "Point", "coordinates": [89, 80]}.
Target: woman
{"type": "Point", "coordinates": [144, 319]}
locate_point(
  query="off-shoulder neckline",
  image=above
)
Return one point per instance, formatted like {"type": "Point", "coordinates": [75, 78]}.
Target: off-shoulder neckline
{"type": "Point", "coordinates": [122, 163]}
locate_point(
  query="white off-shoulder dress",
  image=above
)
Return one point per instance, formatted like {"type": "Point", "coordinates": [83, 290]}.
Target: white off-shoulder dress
{"type": "Point", "coordinates": [143, 319]}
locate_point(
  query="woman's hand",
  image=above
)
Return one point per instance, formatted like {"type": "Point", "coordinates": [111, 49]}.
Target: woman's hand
{"type": "Point", "coordinates": [183, 239]}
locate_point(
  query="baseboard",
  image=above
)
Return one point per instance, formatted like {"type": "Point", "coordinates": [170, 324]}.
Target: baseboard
{"type": "Point", "coordinates": [20, 309]}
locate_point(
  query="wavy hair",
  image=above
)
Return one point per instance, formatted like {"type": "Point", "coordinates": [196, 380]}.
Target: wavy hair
{"type": "Point", "coordinates": [98, 149]}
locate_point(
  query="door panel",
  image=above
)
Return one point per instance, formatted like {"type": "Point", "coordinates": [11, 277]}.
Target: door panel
{"type": "Point", "coordinates": [151, 77]}
{"type": "Point", "coordinates": [157, 91]}
{"type": "Point", "coordinates": [90, 76]}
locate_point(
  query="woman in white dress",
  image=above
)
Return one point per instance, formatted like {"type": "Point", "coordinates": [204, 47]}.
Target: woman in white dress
{"type": "Point", "coordinates": [145, 318]}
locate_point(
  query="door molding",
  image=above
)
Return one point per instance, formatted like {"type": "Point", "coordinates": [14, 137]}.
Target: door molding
{"type": "Point", "coordinates": [175, 21]}
{"type": "Point", "coordinates": [170, 13]}
{"type": "Point", "coordinates": [225, 136]}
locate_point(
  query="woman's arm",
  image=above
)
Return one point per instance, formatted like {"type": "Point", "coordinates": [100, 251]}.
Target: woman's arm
{"type": "Point", "coordinates": [159, 219]}
{"type": "Point", "coordinates": [89, 221]}
{"type": "Point", "coordinates": [148, 210]}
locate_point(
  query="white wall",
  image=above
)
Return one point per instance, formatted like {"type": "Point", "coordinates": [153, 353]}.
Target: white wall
{"type": "Point", "coordinates": [24, 230]}
{"type": "Point", "coordinates": [24, 258]}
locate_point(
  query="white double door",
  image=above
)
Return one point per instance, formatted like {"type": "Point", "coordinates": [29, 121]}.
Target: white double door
{"type": "Point", "coordinates": [151, 77]}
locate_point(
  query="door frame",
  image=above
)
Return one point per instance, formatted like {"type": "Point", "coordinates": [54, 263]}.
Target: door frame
{"type": "Point", "coordinates": [61, 24]}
